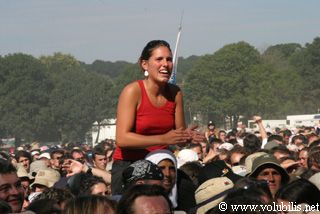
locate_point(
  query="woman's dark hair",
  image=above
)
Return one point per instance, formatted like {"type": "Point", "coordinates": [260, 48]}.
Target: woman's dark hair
{"type": "Point", "coordinates": [90, 204]}
{"type": "Point", "coordinates": [299, 191]}
{"type": "Point", "coordinates": [147, 50]}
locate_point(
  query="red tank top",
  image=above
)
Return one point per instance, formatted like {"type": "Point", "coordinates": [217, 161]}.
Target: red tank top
{"type": "Point", "coordinates": [150, 120]}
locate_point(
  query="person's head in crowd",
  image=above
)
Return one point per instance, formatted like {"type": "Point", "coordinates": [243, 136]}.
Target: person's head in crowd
{"type": "Point", "coordinates": [280, 152]}
{"type": "Point", "coordinates": [235, 155]}
{"type": "Point", "coordinates": [210, 193]}
{"type": "Point", "coordinates": [24, 158]}
{"type": "Point", "coordinates": [109, 148]}
{"type": "Point", "coordinates": [260, 186]}
{"type": "Point", "coordinates": [45, 157]}
{"type": "Point", "coordinates": [299, 140]}
{"type": "Point", "coordinates": [232, 136]}
{"type": "Point", "coordinates": [60, 196]}
{"type": "Point", "coordinates": [215, 143]}
{"type": "Point", "coordinates": [290, 164]}
{"type": "Point", "coordinates": [192, 169]}
{"type": "Point", "coordinates": [197, 148]}
{"type": "Point", "coordinates": [168, 165]}
{"type": "Point", "coordinates": [233, 141]}
{"type": "Point", "coordinates": [286, 136]}
{"type": "Point", "coordinates": [185, 156]}
{"type": "Point", "coordinates": [299, 191]}
{"type": "Point", "coordinates": [24, 178]}
{"type": "Point", "coordinates": [142, 172]}
{"type": "Point", "coordinates": [35, 155]}
{"type": "Point", "coordinates": [93, 185]}
{"type": "Point", "coordinates": [267, 167]}
{"type": "Point", "coordinates": [314, 159]}
{"type": "Point", "coordinates": [144, 199]}
{"type": "Point", "coordinates": [276, 138]}
{"type": "Point", "coordinates": [312, 137]}
{"type": "Point", "coordinates": [78, 155]}
{"type": "Point", "coordinates": [45, 179]}
{"type": "Point", "coordinates": [303, 157]}
{"type": "Point", "coordinates": [222, 134]}
{"type": "Point", "coordinates": [44, 206]}
{"type": "Point", "coordinates": [96, 204]}
{"type": "Point", "coordinates": [314, 144]}
{"type": "Point", "coordinates": [99, 157]}
{"type": "Point", "coordinates": [56, 155]}
{"type": "Point", "coordinates": [205, 148]}
{"type": "Point", "coordinates": [11, 189]}
{"type": "Point", "coordinates": [251, 143]}
{"type": "Point", "coordinates": [223, 154]}
{"type": "Point", "coordinates": [216, 169]}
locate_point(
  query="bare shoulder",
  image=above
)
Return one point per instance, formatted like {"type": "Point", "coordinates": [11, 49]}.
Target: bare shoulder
{"type": "Point", "coordinates": [131, 91]}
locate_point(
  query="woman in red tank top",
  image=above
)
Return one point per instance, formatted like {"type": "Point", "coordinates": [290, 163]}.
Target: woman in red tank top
{"type": "Point", "coordinates": [150, 112]}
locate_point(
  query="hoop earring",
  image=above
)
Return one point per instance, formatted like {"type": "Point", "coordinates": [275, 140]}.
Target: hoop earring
{"type": "Point", "coordinates": [146, 73]}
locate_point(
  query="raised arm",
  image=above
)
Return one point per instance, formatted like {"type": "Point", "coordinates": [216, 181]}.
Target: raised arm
{"type": "Point", "coordinates": [262, 130]}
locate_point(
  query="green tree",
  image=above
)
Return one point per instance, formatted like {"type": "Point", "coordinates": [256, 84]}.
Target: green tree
{"type": "Point", "coordinates": [24, 93]}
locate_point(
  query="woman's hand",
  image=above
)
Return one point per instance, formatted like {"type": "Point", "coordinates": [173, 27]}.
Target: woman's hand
{"type": "Point", "coordinates": [177, 136]}
{"type": "Point", "coordinates": [195, 135]}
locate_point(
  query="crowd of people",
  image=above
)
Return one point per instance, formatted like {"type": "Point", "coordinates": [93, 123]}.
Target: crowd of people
{"type": "Point", "coordinates": [241, 167]}
{"type": "Point", "coordinates": [157, 164]}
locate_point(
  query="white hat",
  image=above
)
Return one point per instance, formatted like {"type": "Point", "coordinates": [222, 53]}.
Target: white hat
{"type": "Point", "coordinates": [44, 155]}
{"type": "Point", "coordinates": [226, 146]}
{"type": "Point", "coordinates": [186, 155]}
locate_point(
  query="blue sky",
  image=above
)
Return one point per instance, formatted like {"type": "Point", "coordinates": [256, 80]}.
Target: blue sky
{"type": "Point", "coordinates": [114, 30]}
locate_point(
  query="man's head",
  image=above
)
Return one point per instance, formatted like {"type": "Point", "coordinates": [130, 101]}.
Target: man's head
{"type": "Point", "coordinates": [24, 158]}
{"type": "Point", "coordinates": [99, 157]}
{"type": "Point", "coordinates": [78, 155]}
{"type": "Point", "coordinates": [144, 199]}
{"type": "Point", "coordinates": [142, 172]}
{"type": "Point", "coordinates": [167, 162]}
{"type": "Point", "coordinates": [56, 155]}
{"type": "Point", "coordinates": [267, 167]}
{"type": "Point", "coordinates": [11, 189]}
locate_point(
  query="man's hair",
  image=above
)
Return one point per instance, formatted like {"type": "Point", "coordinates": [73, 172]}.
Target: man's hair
{"type": "Point", "coordinates": [56, 151]}
{"type": "Point", "coordinates": [59, 195]}
{"type": "Point", "coordinates": [251, 143]}
{"type": "Point", "coordinates": [125, 205]}
{"type": "Point", "coordinates": [98, 150]}
{"type": "Point", "coordinates": [23, 154]}
{"type": "Point", "coordinates": [6, 167]}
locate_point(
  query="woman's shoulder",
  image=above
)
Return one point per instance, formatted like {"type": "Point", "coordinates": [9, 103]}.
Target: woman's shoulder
{"type": "Point", "coordinates": [132, 89]}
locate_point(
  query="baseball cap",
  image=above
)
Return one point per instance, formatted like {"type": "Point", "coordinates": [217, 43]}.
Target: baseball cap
{"type": "Point", "coordinates": [211, 193]}
{"type": "Point", "coordinates": [46, 177]}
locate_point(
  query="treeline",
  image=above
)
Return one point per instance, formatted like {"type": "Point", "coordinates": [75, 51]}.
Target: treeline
{"type": "Point", "coordinates": [57, 98]}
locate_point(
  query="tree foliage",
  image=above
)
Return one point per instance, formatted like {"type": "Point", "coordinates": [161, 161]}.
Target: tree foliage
{"type": "Point", "coordinates": [58, 98]}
